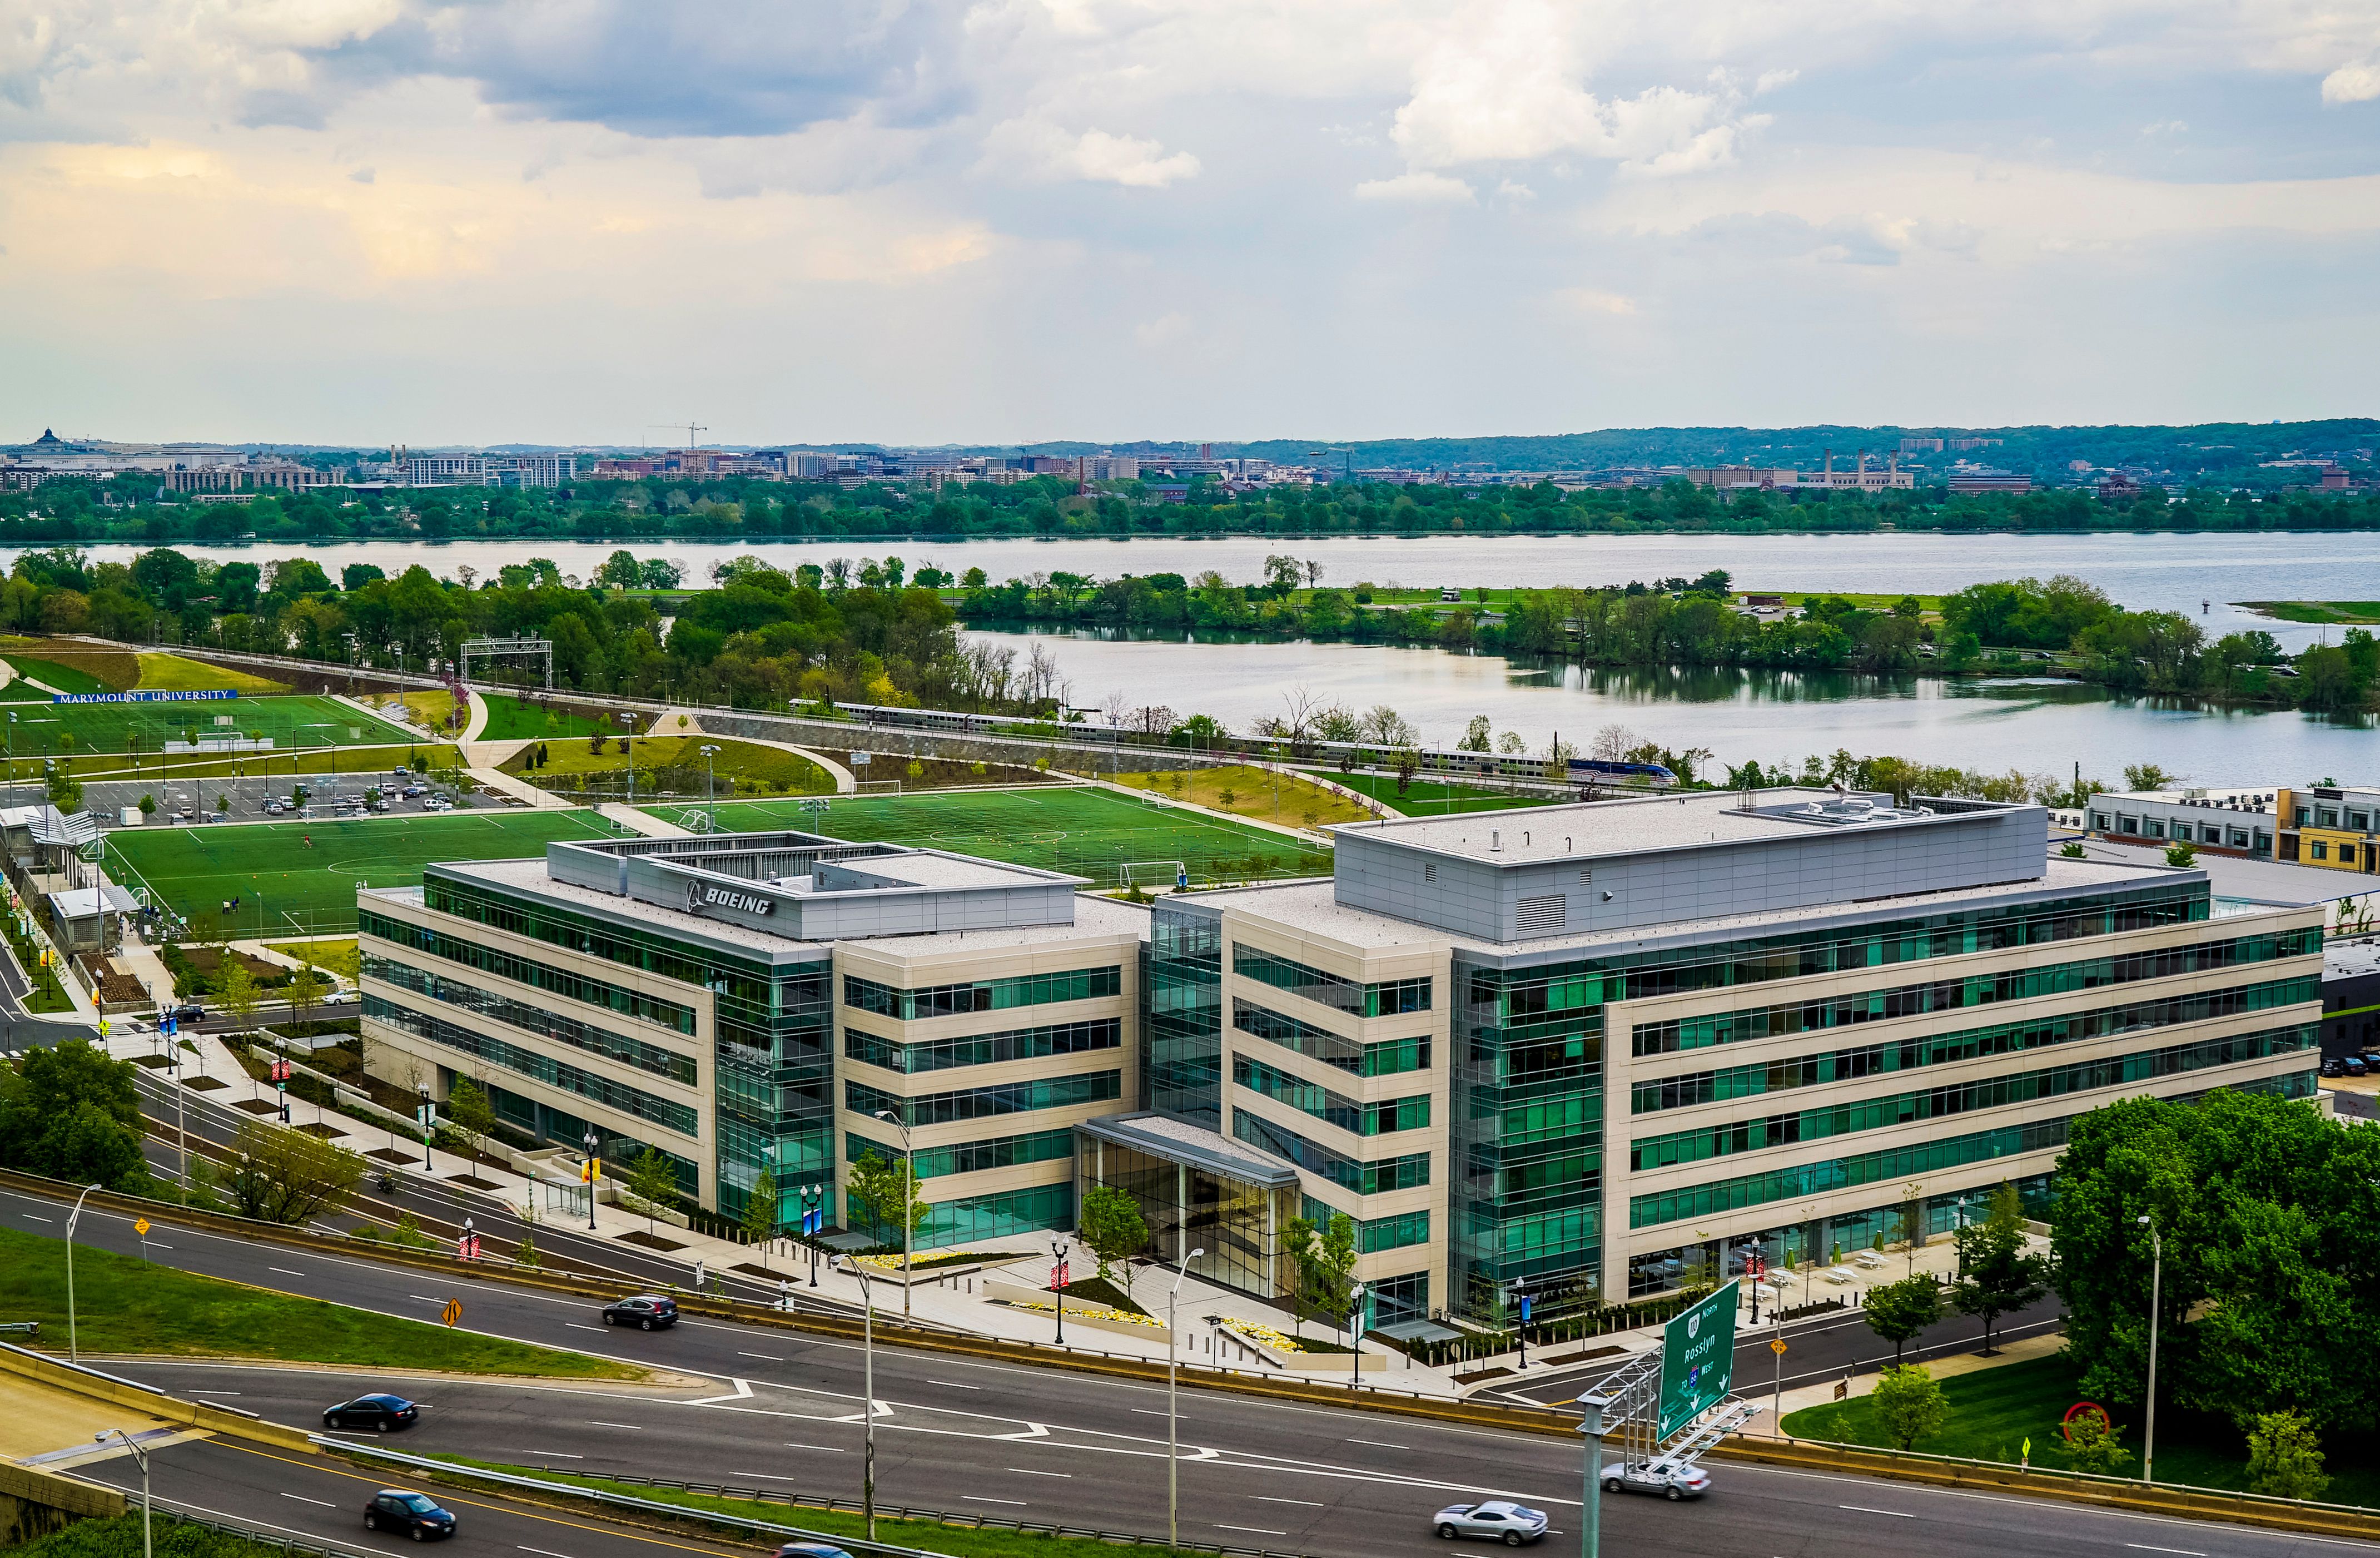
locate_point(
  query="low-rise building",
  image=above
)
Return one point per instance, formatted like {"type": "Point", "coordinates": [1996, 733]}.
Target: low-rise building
{"type": "Point", "coordinates": [2332, 827]}
{"type": "Point", "coordinates": [2231, 821]}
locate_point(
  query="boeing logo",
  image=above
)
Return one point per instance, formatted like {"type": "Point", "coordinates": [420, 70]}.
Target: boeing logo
{"type": "Point", "coordinates": [701, 895]}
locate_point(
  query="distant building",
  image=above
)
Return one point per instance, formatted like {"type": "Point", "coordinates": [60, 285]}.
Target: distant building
{"type": "Point", "coordinates": [1964, 443]}
{"type": "Point", "coordinates": [2229, 822]}
{"type": "Point", "coordinates": [2116, 486]}
{"type": "Point", "coordinates": [1990, 481]}
{"type": "Point", "coordinates": [1912, 443]}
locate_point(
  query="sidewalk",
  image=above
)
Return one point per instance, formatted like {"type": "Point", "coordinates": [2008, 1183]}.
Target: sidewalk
{"type": "Point", "coordinates": [521, 789]}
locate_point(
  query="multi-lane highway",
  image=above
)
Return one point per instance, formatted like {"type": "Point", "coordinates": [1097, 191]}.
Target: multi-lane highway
{"type": "Point", "coordinates": [781, 1411]}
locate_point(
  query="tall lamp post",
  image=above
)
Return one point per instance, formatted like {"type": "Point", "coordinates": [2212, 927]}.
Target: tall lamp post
{"type": "Point", "coordinates": [868, 1389]}
{"type": "Point", "coordinates": [1356, 1336]}
{"type": "Point", "coordinates": [813, 1205]}
{"type": "Point", "coordinates": [710, 784]}
{"type": "Point", "coordinates": [1590, 1525]}
{"type": "Point", "coordinates": [141, 1455]}
{"type": "Point", "coordinates": [1173, 1414]}
{"type": "Point", "coordinates": [1057, 1285]}
{"type": "Point", "coordinates": [421, 1091]}
{"type": "Point", "coordinates": [2156, 1296]}
{"type": "Point", "coordinates": [73, 1354]}
{"type": "Point", "coordinates": [594, 1145]}
{"type": "Point", "coordinates": [908, 1198]}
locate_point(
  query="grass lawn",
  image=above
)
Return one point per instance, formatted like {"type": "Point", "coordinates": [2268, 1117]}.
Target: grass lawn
{"type": "Point", "coordinates": [64, 678]}
{"type": "Point", "coordinates": [120, 1538]}
{"type": "Point", "coordinates": [1256, 792]}
{"type": "Point", "coordinates": [438, 711]}
{"type": "Point", "coordinates": [171, 673]}
{"type": "Point", "coordinates": [736, 763]}
{"type": "Point", "coordinates": [350, 762]}
{"type": "Point", "coordinates": [788, 1510]}
{"type": "Point", "coordinates": [1087, 833]}
{"type": "Point", "coordinates": [194, 870]}
{"type": "Point", "coordinates": [294, 723]}
{"type": "Point", "coordinates": [2317, 611]}
{"type": "Point", "coordinates": [126, 1304]}
{"type": "Point", "coordinates": [338, 956]}
{"type": "Point", "coordinates": [1430, 797]}
{"type": "Point", "coordinates": [1992, 1411]}
{"type": "Point", "coordinates": [513, 719]}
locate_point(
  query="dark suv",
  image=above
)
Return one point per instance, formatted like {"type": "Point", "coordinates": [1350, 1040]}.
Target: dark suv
{"type": "Point", "coordinates": [381, 1412]}
{"type": "Point", "coordinates": [645, 1311]}
{"type": "Point", "coordinates": [414, 1515]}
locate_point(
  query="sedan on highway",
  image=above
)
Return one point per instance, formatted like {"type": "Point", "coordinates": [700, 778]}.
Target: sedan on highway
{"type": "Point", "coordinates": [1498, 1520]}
{"type": "Point", "coordinates": [1671, 1479]}
{"type": "Point", "coordinates": [415, 1514]}
{"type": "Point", "coordinates": [381, 1412]}
{"type": "Point", "coordinates": [645, 1311]}
{"type": "Point", "coordinates": [811, 1550]}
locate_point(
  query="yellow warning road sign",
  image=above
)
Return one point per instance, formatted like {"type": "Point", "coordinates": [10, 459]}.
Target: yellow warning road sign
{"type": "Point", "coordinates": [140, 1226]}
{"type": "Point", "coordinates": [1778, 1347]}
{"type": "Point", "coordinates": [453, 1310]}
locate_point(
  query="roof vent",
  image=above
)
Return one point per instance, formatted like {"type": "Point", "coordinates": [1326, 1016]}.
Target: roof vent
{"type": "Point", "coordinates": [1496, 839]}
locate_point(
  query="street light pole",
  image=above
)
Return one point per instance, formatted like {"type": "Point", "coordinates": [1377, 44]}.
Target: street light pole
{"type": "Point", "coordinates": [594, 1144]}
{"type": "Point", "coordinates": [141, 1455]}
{"type": "Point", "coordinates": [1173, 1412]}
{"type": "Point", "coordinates": [711, 782]}
{"type": "Point", "coordinates": [1356, 1336]}
{"type": "Point", "coordinates": [1590, 1525]}
{"type": "Point", "coordinates": [422, 1091]}
{"type": "Point", "coordinates": [814, 1197]}
{"type": "Point", "coordinates": [867, 1390]}
{"type": "Point", "coordinates": [908, 1194]}
{"type": "Point", "coordinates": [2156, 1296]}
{"type": "Point", "coordinates": [1057, 1292]}
{"type": "Point", "coordinates": [73, 1353]}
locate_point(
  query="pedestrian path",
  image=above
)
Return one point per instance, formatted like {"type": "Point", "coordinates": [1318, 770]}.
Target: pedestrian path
{"type": "Point", "coordinates": [505, 783]}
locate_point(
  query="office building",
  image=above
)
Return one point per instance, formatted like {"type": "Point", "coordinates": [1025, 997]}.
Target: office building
{"type": "Point", "coordinates": [756, 1001]}
{"type": "Point", "coordinates": [2335, 827]}
{"type": "Point", "coordinates": [2231, 821]}
{"type": "Point", "coordinates": [1593, 1048]}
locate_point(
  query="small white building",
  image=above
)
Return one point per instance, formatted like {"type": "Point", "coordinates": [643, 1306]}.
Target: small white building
{"type": "Point", "coordinates": [2233, 822]}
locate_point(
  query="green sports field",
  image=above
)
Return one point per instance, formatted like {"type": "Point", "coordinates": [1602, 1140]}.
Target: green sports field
{"type": "Point", "coordinates": [294, 723]}
{"type": "Point", "coordinates": [279, 880]}
{"type": "Point", "coordinates": [1087, 833]}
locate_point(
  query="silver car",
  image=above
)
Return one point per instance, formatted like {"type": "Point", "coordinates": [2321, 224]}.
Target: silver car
{"type": "Point", "coordinates": [1498, 1520]}
{"type": "Point", "coordinates": [1668, 1479]}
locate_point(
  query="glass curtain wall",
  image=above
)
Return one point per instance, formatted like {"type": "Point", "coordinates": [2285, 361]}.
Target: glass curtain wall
{"type": "Point", "coordinates": [1237, 1223]}
{"type": "Point", "coordinates": [1183, 1070]}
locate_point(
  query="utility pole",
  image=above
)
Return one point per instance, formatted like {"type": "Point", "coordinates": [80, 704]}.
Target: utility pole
{"type": "Point", "coordinates": [2156, 1295]}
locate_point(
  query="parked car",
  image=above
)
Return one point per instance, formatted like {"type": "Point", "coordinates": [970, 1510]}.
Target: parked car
{"type": "Point", "coordinates": [1498, 1520]}
{"type": "Point", "coordinates": [2355, 1065]}
{"type": "Point", "coordinates": [341, 998]}
{"type": "Point", "coordinates": [1668, 1479]}
{"type": "Point", "coordinates": [2333, 1066]}
{"type": "Point", "coordinates": [192, 1011]}
{"type": "Point", "coordinates": [379, 1412]}
{"type": "Point", "coordinates": [273, 809]}
{"type": "Point", "coordinates": [416, 1515]}
{"type": "Point", "coordinates": [645, 1311]}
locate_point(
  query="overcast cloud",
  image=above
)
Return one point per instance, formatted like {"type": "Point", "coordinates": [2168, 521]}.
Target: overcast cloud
{"type": "Point", "coordinates": [918, 221]}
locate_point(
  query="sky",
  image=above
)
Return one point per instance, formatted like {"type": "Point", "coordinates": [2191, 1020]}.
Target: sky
{"type": "Point", "coordinates": [914, 221]}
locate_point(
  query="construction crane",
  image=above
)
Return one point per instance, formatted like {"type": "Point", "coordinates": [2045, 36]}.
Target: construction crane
{"type": "Point", "coordinates": [691, 429]}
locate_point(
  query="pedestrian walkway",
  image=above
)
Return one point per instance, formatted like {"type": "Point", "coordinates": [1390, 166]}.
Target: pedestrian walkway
{"type": "Point", "coordinates": [521, 789]}
{"type": "Point", "coordinates": [845, 782]}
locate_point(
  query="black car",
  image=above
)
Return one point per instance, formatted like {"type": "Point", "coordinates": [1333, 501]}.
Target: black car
{"type": "Point", "coordinates": [416, 1515]}
{"type": "Point", "coordinates": [2356, 1066]}
{"type": "Point", "coordinates": [645, 1311]}
{"type": "Point", "coordinates": [192, 1013]}
{"type": "Point", "coordinates": [2333, 1066]}
{"type": "Point", "coordinates": [381, 1412]}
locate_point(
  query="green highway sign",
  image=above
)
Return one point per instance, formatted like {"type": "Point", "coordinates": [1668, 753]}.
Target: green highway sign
{"type": "Point", "coordinates": [1697, 1359]}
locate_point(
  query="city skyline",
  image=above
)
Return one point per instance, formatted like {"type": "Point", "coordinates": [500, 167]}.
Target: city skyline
{"type": "Point", "coordinates": [1013, 223]}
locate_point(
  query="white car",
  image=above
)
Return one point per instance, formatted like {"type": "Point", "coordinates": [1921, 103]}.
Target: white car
{"type": "Point", "coordinates": [1498, 1520]}
{"type": "Point", "coordinates": [1668, 1479]}
{"type": "Point", "coordinates": [341, 998]}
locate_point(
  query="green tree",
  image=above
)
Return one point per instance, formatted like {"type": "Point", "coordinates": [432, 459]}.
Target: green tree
{"type": "Point", "coordinates": [67, 1112]}
{"type": "Point", "coordinates": [1909, 1405]}
{"type": "Point", "coordinates": [652, 1179]}
{"type": "Point", "coordinates": [288, 1177]}
{"type": "Point", "coordinates": [307, 988]}
{"type": "Point", "coordinates": [236, 990]}
{"type": "Point", "coordinates": [1996, 1276]}
{"type": "Point", "coordinates": [65, 791]}
{"type": "Point", "coordinates": [1478, 736]}
{"type": "Point", "coordinates": [469, 1109]}
{"type": "Point", "coordinates": [1325, 1255]}
{"type": "Point", "coordinates": [2095, 1445]}
{"type": "Point", "coordinates": [760, 1209]}
{"type": "Point", "coordinates": [2148, 777]}
{"type": "Point", "coordinates": [148, 806]}
{"type": "Point", "coordinates": [2285, 1458]}
{"type": "Point", "coordinates": [2184, 853]}
{"type": "Point", "coordinates": [1899, 1310]}
{"type": "Point", "coordinates": [1113, 1228]}
{"type": "Point", "coordinates": [878, 1187]}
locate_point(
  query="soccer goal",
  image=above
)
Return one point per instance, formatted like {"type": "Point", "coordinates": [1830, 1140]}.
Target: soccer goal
{"type": "Point", "coordinates": [694, 821]}
{"type": "Point", "coordinates": [1150, 869]}
{"type": "Point", "coordinates": [878, 788]}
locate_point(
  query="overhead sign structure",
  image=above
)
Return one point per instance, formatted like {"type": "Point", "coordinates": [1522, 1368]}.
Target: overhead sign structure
{"type": "Point", "coordinates": [1697, 1359]}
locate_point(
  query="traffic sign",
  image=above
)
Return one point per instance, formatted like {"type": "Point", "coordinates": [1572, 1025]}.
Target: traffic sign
{"type": "Point", "coordinates": [453, 1310]}
{"type": "Point", "coordinates": [1778, 1347]}
{"type": "Point", "coordinates": [140, 1226]}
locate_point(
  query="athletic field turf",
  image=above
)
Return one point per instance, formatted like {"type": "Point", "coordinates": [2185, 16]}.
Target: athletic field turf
{"type": "Point", "coordinates": [294, 723]}
{"type": "Point", "coordinates": [1087, 833]}
{"type": "Point", "coordinates": [268, 868]}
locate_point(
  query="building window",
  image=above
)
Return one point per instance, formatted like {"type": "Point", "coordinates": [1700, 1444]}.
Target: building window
{"type": "Point", "coordinates": [2128, 824]}
{"type": "Point", "coordinates": [2319, 850]}
{"type": "Point", "coordinates": [1384, 999]}
{"type": "Point", "coordinates": [1389, 1057]}
{"type": "Point", "coordinates": [2098, 821]}
{"type": "Point", "coordinates": [981, 995]}
{"type": "Point", "coordinates": [666, 1112]}
{"type": "Point", "coordinates": [977, 1104]}
{"type": "Point", "coordinates": [557, 1026]}
{"type": "Point", "coordinates": [2347, 854]}
{"type": "Point", "coordinates": [984, 1049]}
{"type": "Point", "coordinates": [1364, 1177]}
{"type": "Point", "coordinates": [969, 1157]}
{"type": "Point", "coordinates": [504, 965]}
{"type": "Point", "coordinates": [1332, 1108]}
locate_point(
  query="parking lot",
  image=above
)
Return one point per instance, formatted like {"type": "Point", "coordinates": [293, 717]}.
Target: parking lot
{"type": "Point", "coordinates": [250, 799]}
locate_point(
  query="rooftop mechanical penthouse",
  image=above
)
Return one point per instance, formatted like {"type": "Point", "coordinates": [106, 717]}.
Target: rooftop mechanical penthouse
{"type": "Point", "coordinates": [1595, 1049]}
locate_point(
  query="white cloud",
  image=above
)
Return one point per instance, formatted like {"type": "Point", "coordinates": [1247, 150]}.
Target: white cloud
{"type": "Point", "coordinates": [1166, 330]}
{"type": "Point", "coordinates": [1428, 188]}
{"type": "Point", "coordinates": [1587, 301]}
{"type": "Point", "coordinates": [2356, 82]}
{"type": "Point", "coordinates": [1037, 149]}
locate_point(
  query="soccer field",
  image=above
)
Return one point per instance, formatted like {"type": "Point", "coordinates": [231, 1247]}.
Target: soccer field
{"type": "Point", "coordinates": [1085, 831]}
{"type": "Point", "coordinates": [282, 885]}
{"type": "Point", "coordinates": [294, 723]}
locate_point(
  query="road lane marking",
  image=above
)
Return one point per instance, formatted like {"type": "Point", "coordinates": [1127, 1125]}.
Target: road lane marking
{"type": "Point", "coordinates": [425, 1298]}
{"type": "Point", "coordinates": [1026, 1472]}
{"type": "Point", "coordinates": [213, 1392]}
{"type": "Point", "coordinates": [1259, 1530]}
{"type": "Point", "coordinates": [543, 1552]}
{"type": "Point", "coordinates": [953, 1384]}
{"type": "Point", "coordinates": [38, 1219]}
{"type": "Point", "coordinates": [303, 1499]}
{"type": "Point", "coordinates": [2143, 1547]}
{"type": "Point", "coordinates": [1862, 1509]}
{"type": "Point", "coordinates": [977, 1498]}
{"type": "Point", "coordinates": [573, 1325]}
{"type": "Point", "coordinates": [597, 1422]}
{"type": "Point", "coordinates": [284, 1271]}
{"type": "Point", "coordinates": [822, 1449]}
{"type": "Point", "coordinates": [761, 1476]}
{"type": "Point", "coordinates": [1379, 1443]}
{"type": "Point", "coordinates": [771, 1357]}
{"type": "Point", "coordinates": [154, 1244]}
{"type": "Point", "coordinates": [1262, 1499]}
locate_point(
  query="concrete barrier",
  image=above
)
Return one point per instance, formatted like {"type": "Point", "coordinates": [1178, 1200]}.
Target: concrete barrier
{"type": "Point", "coordinates": [35, 1504]}
{"type": "Point", "coordinates": [50, 1371]}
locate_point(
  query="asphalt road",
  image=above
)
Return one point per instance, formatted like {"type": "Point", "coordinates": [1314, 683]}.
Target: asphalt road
{"type": "Point", "coordinates": [785, 1410]}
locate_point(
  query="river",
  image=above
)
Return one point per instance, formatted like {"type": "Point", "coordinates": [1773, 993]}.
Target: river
{"type": "Point", "coordinates": [2040, 727]}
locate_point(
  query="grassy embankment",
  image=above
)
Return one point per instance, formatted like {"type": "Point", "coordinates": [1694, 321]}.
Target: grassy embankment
{"type": "Point", "coordinates": [1253, 792]}
{"type": "Point", "coordinates": [120, 1538]}
{"type": "Point", "coordinates": [1429, 798]}
{"type": "Point", "coordinates": [1994, 1411]}
{"type": "Point", "coordinates": [337, 955]}
{"type": "Point", "coordinates": [126, 1304]}
{"type": "Point", "coordinates": [2350, 611]}
{"type": "Point", "coordinates": [741, 767]}
{"type": "Point", "coordinates": [515, 719]}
